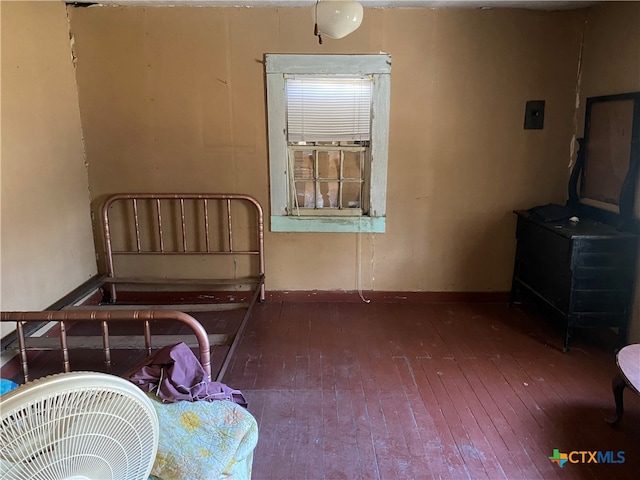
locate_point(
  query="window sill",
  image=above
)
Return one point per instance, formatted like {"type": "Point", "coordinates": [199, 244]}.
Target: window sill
{"type": "Point", "coordinates": [328, 224]}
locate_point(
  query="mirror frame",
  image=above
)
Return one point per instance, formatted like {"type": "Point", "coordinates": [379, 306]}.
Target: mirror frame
{"type": "Point", "coordinates": [622, 218]}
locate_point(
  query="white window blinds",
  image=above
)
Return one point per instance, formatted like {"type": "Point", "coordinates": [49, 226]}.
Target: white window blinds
{"type": "Point", "coordinates": [326, 109]}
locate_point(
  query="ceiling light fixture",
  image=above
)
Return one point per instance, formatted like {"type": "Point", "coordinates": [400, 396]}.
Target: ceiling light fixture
{"type": "Point", "coordinates": [336, 18]}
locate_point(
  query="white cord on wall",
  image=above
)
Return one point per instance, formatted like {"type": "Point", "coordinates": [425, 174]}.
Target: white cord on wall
{"type": "Point", "coordinates": [359, 267]}
{"type": "Point", "coordinates": [292, 181]}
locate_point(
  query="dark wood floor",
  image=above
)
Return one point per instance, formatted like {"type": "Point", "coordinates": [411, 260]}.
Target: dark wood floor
{"type": "Point", "coordinates": [418, 391]}
{"type": "Point", "coordinates": [424, 390]}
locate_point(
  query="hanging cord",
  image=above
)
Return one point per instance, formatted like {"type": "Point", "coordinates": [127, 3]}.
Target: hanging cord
{"type": "Point", "coordinates": [292, 180]}
{"type": "Point", "coordinates": [359, 267]}
{"type": "Point", "coordinates": [316, 32]}
{"type": "Point", "coordinates": [359, 234]}
{"type": "Point", "coordinates": [373, 255]}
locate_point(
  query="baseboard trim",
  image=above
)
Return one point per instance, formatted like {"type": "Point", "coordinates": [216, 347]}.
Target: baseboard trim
{"type": "Point", "coordinates": [385, 297]}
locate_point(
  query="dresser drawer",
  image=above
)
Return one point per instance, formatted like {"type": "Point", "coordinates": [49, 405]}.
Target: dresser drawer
{"type": "Point", "coordinates": [538, 244]}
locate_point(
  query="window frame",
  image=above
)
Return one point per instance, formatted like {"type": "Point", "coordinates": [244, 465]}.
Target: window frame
{"type": "Point", "coordinates": [378, 66]}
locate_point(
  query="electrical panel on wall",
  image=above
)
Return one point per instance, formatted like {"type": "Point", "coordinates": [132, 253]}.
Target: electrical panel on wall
{"type": "Point", "coordinates": [534, 115]}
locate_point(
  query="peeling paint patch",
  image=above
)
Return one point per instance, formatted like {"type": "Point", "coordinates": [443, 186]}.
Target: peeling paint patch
{"type": "Point", "coordinates": [572, 146]}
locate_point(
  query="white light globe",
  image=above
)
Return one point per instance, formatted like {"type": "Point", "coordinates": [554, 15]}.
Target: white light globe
{"type": "Point", "coordinates": [338, 18]}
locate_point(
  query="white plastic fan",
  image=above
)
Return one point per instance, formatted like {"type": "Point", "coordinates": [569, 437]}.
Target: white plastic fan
{"type": "Point", "coordinates": [77, 426]}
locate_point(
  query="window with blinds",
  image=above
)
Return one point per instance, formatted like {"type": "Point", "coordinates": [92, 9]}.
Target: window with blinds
{"type": "Point", "coordinates": [328, 122]}
{"type": "Point", "coordinates": [328, 133]}
{"type": "Point", "coordinates": [328, 108]}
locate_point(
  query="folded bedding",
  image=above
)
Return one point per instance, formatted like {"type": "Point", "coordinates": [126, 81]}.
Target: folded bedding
{"type": "Point", "coordinates": [204, 440]}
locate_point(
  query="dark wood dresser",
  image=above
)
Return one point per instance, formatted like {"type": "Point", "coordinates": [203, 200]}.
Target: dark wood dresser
{"type": "Point", "coordinates": [584, 270]}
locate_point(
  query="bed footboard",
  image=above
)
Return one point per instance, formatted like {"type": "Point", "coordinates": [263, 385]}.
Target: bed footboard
{"type": "Point", "coordinates": [65, 318]}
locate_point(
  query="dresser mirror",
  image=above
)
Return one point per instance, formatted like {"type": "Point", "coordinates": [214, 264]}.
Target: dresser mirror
{"type": "Point", "coordinates": [603, 182]}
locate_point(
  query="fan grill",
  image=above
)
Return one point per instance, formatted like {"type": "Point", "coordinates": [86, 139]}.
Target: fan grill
{"type": "Point", "coordinates": [82, 431]}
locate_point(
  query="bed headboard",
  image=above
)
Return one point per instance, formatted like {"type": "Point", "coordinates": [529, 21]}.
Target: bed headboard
{"type": "Point", "coordinates": [172, 224]}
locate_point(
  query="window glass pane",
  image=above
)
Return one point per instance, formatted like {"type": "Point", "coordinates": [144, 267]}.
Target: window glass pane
{"type": "Point", "coordinates": [333, 186]}
{"type": "Point", "coordinates": [328, 197]}
{"type": "Point", "coordinates": [305, 195]}
{"type": "Point", "coordinates": [351, 195]}
{"type": "Point", "coordinates": [303, 164]}
{"type": "Point", "coordinates": [351, 167]}
{"type": "Point", "coordinates": [329, 164]}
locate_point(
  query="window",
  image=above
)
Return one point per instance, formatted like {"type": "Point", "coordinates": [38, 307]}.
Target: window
{"type": "Point", "coordinates": [328, 136]}
{"type": "Point", "coordinates": [327, 179]}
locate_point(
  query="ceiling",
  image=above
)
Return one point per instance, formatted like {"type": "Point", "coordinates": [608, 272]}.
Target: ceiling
{"type": "Point", "coordinates": [528, 4]}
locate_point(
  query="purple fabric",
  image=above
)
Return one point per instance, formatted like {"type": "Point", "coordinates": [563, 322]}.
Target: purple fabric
{"type": "Point", "coordinates": [174, 373]}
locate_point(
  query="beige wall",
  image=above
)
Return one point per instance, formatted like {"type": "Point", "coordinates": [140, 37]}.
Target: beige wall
{"type": "Point", "coordinates": [173, 99]}
{"type": "Point", "coordinates": [46, 239]}
{"type": "Point", "coordinates": [612, 65]}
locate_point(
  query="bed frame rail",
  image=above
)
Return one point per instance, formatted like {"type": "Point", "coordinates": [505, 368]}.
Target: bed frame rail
{"type": "Point", "coordinates": [65, 318]}
{"type": "Point", "coordinates": [165, 246]}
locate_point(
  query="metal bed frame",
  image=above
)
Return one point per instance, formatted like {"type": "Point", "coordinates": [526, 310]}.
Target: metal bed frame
{"type": "Point", "coordinates": [65, 318]}
{"type": "Point", "coordinates": [161, 235]}
{"type": "Point", "coordinates": [182, 249]}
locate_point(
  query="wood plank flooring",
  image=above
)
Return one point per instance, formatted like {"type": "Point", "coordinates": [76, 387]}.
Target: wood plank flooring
{"type": "Point", "coordinates": [419, 391]}
{"type": "Point", "coordinates": [396, 391]}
